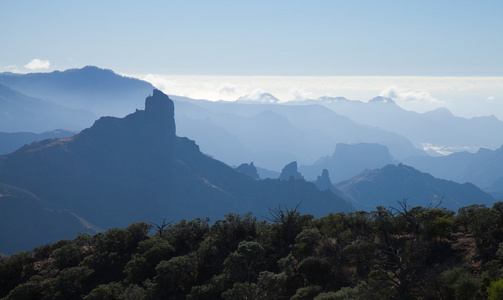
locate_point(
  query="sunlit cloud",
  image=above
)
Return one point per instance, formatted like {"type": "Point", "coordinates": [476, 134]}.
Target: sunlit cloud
{"type": "Point", "coordinates": [298, 94]}
{"type": "Point", "coordinates": [461, 95]}
{"type": "Point", "coordinates": [38, 64]}
{"type": "Point", "coordinates": [409, 96]}
{"type": "Point", "coordinates": [259, 95]}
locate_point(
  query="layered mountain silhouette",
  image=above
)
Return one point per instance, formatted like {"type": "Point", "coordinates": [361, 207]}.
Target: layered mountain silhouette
{"type": "Point", "coordinates": [27, 221]}
{"type": "Point", "coordinates": [135, 168]}
{"type": "Point", "coordinates": [437, 130]}
{"type": "Point", "coordinates": [276, 134]}
{"type": "Point", "coordinates": [98, 90]}
{"type": "Point", "coordinates": [350, 160]}
{"type": "Point", "coordinates": [19, 112]}
{"type": "Point", "coordinates": [392, 183]}
{"type": "Point", "coordinates": [483, 168]}
{"type": "Point", "coordinates": [11, 141]}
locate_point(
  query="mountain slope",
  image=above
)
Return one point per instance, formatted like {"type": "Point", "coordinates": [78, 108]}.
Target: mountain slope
{"type": "Point", "coordinates": [26, 221]}
{"type": "Point", "coordinates": [438, 128]}
{"type": "Point", "coordinates": [136, 168]}
{"type": "Point", "coordinates": [349, 160]}
{"type": "Point", "coordinates": [385, 186]}
{"type": "Point", "coordinates": [12, 141]}
{"type": "Point", "coordinates": [483, 168]}
{"type": "Point", "coordinates": [19, 112]}
{"type": "Point", "coordinates": [98, 90]}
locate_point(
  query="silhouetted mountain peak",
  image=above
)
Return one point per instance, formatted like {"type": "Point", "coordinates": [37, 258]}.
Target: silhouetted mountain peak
{"type": "Point", "coordinates": [323, 182]}
{"type": "Point", "coordinates": [290, 171]}
{"type": "Point", "coordinates": [152, 128]}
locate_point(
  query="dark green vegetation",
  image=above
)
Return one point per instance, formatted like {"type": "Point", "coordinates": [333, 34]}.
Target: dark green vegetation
{"type": "Point", "coordinates": [390, 253]}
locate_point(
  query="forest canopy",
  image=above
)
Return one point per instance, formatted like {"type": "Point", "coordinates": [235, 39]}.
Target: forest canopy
{"type": "Point", "coordinates": [399, 252]}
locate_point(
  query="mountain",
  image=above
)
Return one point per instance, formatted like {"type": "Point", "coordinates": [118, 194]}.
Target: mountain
{"type": "Point", "coordinates": [248, 169]}
{"type": "Point", "coordinates": [27, 221]}
{"type": "Point", "coordinates": [276, 134]}
{"type": "Point", "coordinates": [349, 160]}
{"type": "Point", "coordinates": [100, 91]}
{"type": "Point", "coordinates": [290, 172]}
{"type": "Point", "coordinates": [482, 168]}
{"type": "Point", "coordinates": [323, 183]}
{"type": "Point", "coordinates": [12, 141]}
{"type": "Point", "coordinates": [385, 186]}
{"type": "Point", "coordinates": [437, 131]}
{"type": "Point", "coordinates": [19, 112]}
{"type": "Point", "coordinates": [135, 168]}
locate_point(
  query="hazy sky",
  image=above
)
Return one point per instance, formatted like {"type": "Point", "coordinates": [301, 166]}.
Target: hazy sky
{"type": "Point", "coordinates": [263, 38]}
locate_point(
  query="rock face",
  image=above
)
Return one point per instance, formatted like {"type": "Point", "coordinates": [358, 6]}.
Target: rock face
{"type": "Point", "coordinates": [249, 169]}
{"type": "Point", "coordinates": [323, 182]}
{"type": "Point", "coordinates": [385, 186]}
{"type": "Point", "coordinates": [290, 171]}
{"type": "Point", "coordinates": [123, 170]}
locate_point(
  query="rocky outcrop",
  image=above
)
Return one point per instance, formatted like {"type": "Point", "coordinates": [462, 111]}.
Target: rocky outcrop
{"type": "Point", "coordinates": [290, 171]}
{"type": "Point", "coordinates": [249, 169]}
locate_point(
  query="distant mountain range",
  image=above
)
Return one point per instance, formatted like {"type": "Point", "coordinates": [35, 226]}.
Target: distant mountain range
{"type": "Point", "coordinates": [100, 91]}
{"type": "Point", "coordinates": [123, 170]}
{"type": "Point", "coordinates": [349, 160]}
{"type": "Point", "coordinates": [437, 130]}
{"type": "Point", "coordinates": [483, 168]}
{"type": "Point", "coordinates": [19, 112]}
{"type": "Point", "coordinates": [272, 135]}
{"type": "Point", "coordinates": [392, 183]}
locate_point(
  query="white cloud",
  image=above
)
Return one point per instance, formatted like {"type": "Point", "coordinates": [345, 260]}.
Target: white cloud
{"type": "Point", "coordinates": [227, 89]}
{"type": "Point", "coordinates": [258, 95]}
{"type": "Point", "coordinates": [11, 68]}
{"type": "Point", "coordinates": [38, 64]}
{"type": "Point", "coordinates": [409, 96]}
{"type": "Point", "coordinates": [298, 94]}
{"type": "Point", "coordinates": [490, 98]}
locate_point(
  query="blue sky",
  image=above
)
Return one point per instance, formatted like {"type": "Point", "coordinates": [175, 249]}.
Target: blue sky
{"type": "Point", "coordinates": [284, 38]}
{"type": "Point", "coordinates": [427, 53]}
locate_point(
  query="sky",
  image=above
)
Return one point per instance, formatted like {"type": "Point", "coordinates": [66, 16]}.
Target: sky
{"type": "Point", "coordinates": [426, 54]}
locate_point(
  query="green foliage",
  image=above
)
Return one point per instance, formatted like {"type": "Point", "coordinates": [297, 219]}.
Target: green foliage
{"type": "Point", "coordinates": [241, 265]}
{"type": "Point", "coordinates": [241, 291]}
{"type": "Point", "coordinates": [316, 270]}
{"type": "Point", "coordinates": [495, 290]}
{"type": "Point", "coordinates": [389, 253]}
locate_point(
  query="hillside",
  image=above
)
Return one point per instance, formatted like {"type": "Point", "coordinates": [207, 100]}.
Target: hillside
{"type": "Point", "coordinates": [484, 168]}
{"type": "Point", "coordinates": [349, 160]}
{"type": "Point", "coordinates": [10, 141]}
{"type": "Point", "coordinates": [392, 183]}
{"type": "Point", "coordinates": [27, 221]}
{"type": "Point", "coordinates": [401, 252]}
{"type": "Point", "coordinates": [19, 112]}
